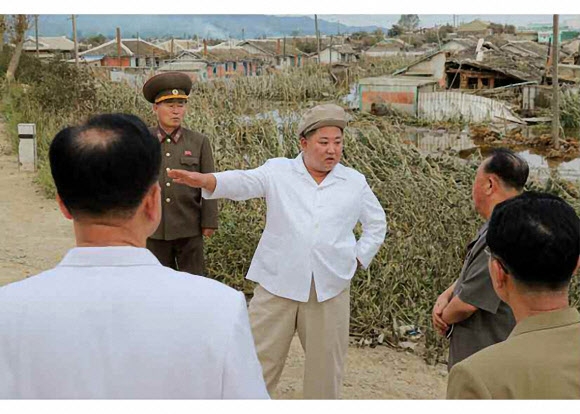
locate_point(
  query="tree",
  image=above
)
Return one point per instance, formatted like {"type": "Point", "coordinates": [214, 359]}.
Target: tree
{"type": "Point", "coordinates": [496, 28]}
{"type": "Point", "coordinates": [437, 34]}
{"type": "Point", "coordinates": [510, 29]}
{"type": "Point", "coordinates": [409, 21]}
{"type": "Point", "coordinates": [445, 30]}
{"type": "Point", "coordinates": [2, 31]}
{"type": "Point", "coordinates": [95, 40]}
{"type": "Point", "coordinates": [19, 26]}
{"type": "Point", "coordinates": [379, 34]}
{"type": "Point", "coordinates": [395, 31]}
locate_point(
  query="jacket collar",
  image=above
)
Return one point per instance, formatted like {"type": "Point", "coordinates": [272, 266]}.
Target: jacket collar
{"type": "Point", "coordinates": [338, 172]}
{"type": "Point", "coordinates": [174, 136]}
{"type": "Point", "coordinates": [547, 320]}
{"type": "Point", "coordinates": [109, 256]}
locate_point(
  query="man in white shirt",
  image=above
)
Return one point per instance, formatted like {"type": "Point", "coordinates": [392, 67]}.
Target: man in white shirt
{"type": "Point", "coordinates": [109, 321]}
{"type": "Point", "coordinates": [308, 253]}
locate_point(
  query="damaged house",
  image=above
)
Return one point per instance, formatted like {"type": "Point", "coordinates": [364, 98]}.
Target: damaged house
{"type": "Point", "coordinates": [482, 64]}
{"type": "Point", "coordinates": [469, 73]}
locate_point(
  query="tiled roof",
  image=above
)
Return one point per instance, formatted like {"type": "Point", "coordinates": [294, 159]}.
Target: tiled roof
{"type": "Point", "coordinates": [270, 47]}
{"type": "Point", "coordinates": [129, 47]}
{"type": "Point", "coordinates": [49, 43]}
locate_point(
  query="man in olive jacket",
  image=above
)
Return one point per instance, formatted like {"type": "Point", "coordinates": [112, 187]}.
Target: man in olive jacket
{"type": "Point", "coordinates": [534, 244]}
{"type": "Point", "coordinates": [186, 217]}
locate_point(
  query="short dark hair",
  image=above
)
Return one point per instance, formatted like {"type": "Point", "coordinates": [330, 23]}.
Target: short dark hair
{"type": "Point", "coordinates": [511, 169]}
{"type": "Point", "coordinates": [105, 166]}
{"type": "Point", "coordinates": [309, 134]}
{"type": "Point", "coordinates": [536, 236]}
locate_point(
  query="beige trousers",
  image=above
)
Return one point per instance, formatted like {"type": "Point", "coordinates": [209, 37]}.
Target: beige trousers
{"type": "Point", "coordinates": [323, 331]}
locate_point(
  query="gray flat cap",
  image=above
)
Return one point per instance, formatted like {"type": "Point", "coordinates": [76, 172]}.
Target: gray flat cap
{"type": "Point", "coordinates": [321, 116]}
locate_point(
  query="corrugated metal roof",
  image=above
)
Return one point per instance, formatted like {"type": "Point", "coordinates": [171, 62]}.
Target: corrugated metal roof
{"type": "Point", "coordinates": [49, 43]}
{"type": "Point", "coordinates": [346, 49]}
{"type": "Point", "coordinates": [178, 45]}
{"type": "Point", "coordinates": [129, 47]}
{"type": "Point", "coordinates": [270, 47]}
{"type": "Point", "coordinates": [192, 66]}
{"type": "Point", "coordinates": [396, 81]}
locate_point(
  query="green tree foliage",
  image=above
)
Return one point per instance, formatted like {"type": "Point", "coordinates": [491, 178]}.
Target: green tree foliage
{"type": "Point", "coordinates": [497, 28]}
{"type": "Point", "coordinates": [366, 39]}
{"type": "Point", "coordinates": [95, 40]}
{"type": "Point", "coordinates": [305, 45]}
{"type": "Point", "coordinates": [409, 21]}
{"type": "Point", "coordinates": [395, 31]}
{"type": "Point", "coordinates": [3, 27]}
{"type": "Point", "coordinates": [437, 34]}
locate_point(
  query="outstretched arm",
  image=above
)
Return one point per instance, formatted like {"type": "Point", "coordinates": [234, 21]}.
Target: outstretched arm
{"type": "Point", "coordinates": [193, 179]}
{"type": "Point", "coordinates": [236, 185]}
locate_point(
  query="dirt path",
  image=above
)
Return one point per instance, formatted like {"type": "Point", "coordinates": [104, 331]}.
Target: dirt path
{"type": "Point", "coordinates": [34, 233]}
{"type": "Point", "coordinates": [35, 236]}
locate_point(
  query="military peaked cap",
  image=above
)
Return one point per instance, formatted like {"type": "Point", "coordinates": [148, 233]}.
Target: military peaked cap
{"type": "Point", "coordinates": [170, 85]}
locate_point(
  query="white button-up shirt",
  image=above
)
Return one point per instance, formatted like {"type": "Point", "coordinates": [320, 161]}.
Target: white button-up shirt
{"type": "Point", "coordinates": [111, 323]}
{"type": "Point", "coordinates": [309, 226]}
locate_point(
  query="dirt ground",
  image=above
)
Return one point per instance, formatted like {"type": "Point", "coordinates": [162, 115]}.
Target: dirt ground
{"type": "Point", "coordinates": [35, 237]}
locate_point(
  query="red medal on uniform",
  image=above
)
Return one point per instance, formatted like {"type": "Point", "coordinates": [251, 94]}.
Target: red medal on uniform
{"type": "Point", "coordinates": [187, 153]}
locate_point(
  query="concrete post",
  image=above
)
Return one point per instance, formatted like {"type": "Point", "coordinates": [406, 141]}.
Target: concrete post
{"type": "Point", "coordinates": [27, 147]}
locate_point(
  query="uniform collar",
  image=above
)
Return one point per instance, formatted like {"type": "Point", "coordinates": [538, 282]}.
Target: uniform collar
{"type": "Point", "coordinates": [174, 136]}
{"type": "Point", "coordinates": [109, 256]}
{"type": "Point", "coordinates": [337, 172]}
{"type": "Point", "coordinates": [547, 320]}
{"type": "Point", "coordinates": [483, 229]}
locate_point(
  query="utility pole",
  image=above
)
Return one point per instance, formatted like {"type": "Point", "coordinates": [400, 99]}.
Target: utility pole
{"type": "Point", "coordinates": [284, 51]}
{"type": "Point", "coordinates": [243, 33]}
{"type": "Point", "coordinates": [36, 34]}
{"type": "Point", "coordinates": [317, 37]}
{"type": "Point", "coordinates": [330, 50]}
{"type": "Point", "coordinates": [555, 86]}
{"type": "Point", "coordinates": [74, 23]}
{"type": "Point", "coordinates": [119, 46]}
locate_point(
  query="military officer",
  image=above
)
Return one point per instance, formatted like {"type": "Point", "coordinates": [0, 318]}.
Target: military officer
{"type": "Point", "coordinates": [186, 217]}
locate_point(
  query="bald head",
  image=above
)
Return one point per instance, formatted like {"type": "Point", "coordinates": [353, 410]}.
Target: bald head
{"type": "Point", "coordinates": [104, 167]}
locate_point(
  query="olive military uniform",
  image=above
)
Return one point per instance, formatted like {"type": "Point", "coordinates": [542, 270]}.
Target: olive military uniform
{"type": "Point", "coordinates": [178, 241]}
{"type": "Point", "coordinates": [184, 214]}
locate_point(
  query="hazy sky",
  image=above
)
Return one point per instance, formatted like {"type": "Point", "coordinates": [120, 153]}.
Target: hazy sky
{"type": "Point", "coordinates": [387, 20]}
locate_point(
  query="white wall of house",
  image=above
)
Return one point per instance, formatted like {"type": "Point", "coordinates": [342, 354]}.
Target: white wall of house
{"type": "Point", "coordinates": [332, 56]}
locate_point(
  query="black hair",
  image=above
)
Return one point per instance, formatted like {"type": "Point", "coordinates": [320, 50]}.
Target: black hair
{"type": "Point", "coordinates": [510, 168]}
{"type": "Point", "coordinates": [311, 133]}
{"type": "Point", "coordinates": [105, 166]}
{"type": "Point", "coordinates": [536, 236]}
